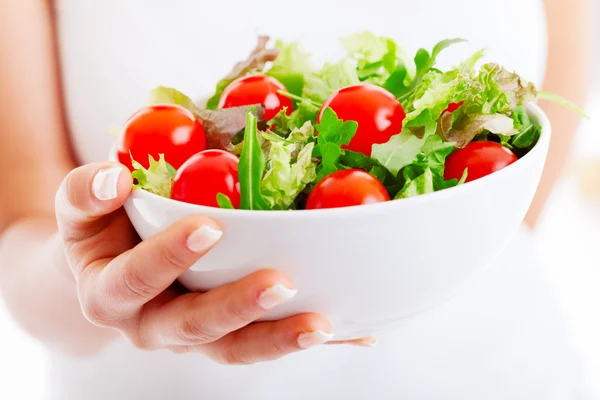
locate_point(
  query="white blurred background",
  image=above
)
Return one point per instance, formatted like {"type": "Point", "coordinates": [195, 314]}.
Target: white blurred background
{"type": "Point", "coordinates": [568, 238]}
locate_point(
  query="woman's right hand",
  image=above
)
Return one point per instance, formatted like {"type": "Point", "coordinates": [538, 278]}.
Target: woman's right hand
{"type": "Point", "coordinates": [130, 285]}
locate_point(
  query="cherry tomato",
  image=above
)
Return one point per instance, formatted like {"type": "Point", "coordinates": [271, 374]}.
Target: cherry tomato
{"type": "Point", "coordinates": [378, 113]}
{"type": "Point", "coordinates": [256, 89]}
{"type": "Point", "coordinates": [168, 129]}
{"type": "Point", "coordinates": [481, 158]}
{"type": "Point", "coordinates": [206, 174]}
{"type": "Point", "coordinates": [345, 188]}
{"type": "Point", "coordinates": [453, 107]}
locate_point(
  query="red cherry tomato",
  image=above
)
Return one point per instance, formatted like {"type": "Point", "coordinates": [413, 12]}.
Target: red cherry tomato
{"type": "Point", "coordinates": [206, 174]}
{"type": "Point", "coordinates": [378, 113]}
{"type": "Point", "coordinates": [345, 188]}
{"type": "Point", "coordinates": [168, 129]}
{"type": "Point", "coordinates": [256, 89]}
{"type": "Point", "coordinates": [481, 158]}
{"type": "Point", "coordinates": [453, 107]}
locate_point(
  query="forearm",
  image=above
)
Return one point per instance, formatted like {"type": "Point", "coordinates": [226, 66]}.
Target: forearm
{"type": "Point", "coordinates": [39, 290]}
{"type": "Point", "coordinates": [568, 75]}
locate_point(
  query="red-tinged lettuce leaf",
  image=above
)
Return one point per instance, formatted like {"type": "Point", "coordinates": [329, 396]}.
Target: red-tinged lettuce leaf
{"type": "Point", "coordinates": [465, 130]}
{"type": "Point", "coordinates": [255, 62]}
{"type": "Point", "coordinates": [499, 82]}
{"type": "Point", "coordinates": [221, 126]}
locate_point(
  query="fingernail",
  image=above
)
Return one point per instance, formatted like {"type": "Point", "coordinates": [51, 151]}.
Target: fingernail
{"type": "Point", "coordinates": [105, 183]}
{"type": "Point", "coordinates": [275, 295]}
{"type": "Point", "coordinates": [315, 338]}
{"type": "Point", "coordinates": [203, 238]}
{"type": "Point", "coordinates": [363, 342]}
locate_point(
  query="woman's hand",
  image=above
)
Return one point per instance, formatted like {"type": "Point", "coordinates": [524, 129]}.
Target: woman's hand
{"type": "Point", "coordinates": [130, 286]}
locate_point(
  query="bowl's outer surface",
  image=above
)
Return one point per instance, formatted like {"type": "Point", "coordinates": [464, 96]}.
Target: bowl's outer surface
{"type": "Point", "coordinates": [365, 268]}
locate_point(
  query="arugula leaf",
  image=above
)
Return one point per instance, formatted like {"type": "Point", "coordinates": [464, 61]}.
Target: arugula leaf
{"type": "Point", "coordinates": [220, 126]}
{"type": "Point", "coordinates": [353, 159]}
{"type": "Point", "coordinates": [333, 133]}
{"type": "Point", "coordinates": [403, 83]}
{"type": "Point", "coordinates": [562, 101]}
{"type": "Point", "coordinates": [527, 136]}
{"type": "Point", "coordinates": [251, 168]}
{"type": "Point", "coordinates": [158, 178]}
{"type": "Point", "coordinates": [291, 66]}
{"type": "Point", "coordinates": [224, 202]}
{"type": "Point", "coordinates": [255, 62]}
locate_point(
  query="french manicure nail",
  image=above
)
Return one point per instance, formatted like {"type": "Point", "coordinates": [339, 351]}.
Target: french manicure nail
{"type": "Point", "coordinates": [363, 342]}
{"type": "Point", "coordinates": [275, 295]}
{"type": "Point", "coordinates": [105, 183]}
{"type": "Point", "coordinates": [203, 238]}
{"type": "Point", "coordinates": [315, 338]}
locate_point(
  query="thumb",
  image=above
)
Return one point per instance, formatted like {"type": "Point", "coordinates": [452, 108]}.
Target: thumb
{"type": "Point", "coordinates": [86, 196]}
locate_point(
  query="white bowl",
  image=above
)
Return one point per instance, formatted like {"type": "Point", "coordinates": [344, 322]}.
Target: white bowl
{"type": "Point", "coordinates": [366, 268]}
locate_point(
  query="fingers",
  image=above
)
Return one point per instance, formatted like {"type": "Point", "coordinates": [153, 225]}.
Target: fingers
{"type": "Point", "coordinates": [267, 341]}
{"type": "Point", "coordinates": [195, 319]}
{"type": "Point", "coordinates": [137, 276]}
{"type": "Point", "coordinates": [85, 196]}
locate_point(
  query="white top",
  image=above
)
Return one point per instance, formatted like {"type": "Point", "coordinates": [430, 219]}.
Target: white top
{"type": "Point", "coordinates": [500, 338]}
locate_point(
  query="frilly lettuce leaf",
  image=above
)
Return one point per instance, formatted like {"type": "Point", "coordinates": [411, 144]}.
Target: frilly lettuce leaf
{"type": "Point", "coordinates": [286, 179]}
{"type": "Point", "coordinates": [255, 62]}
{"type": "Point", "coordinates": [332, 76]}
{"type": "Point", "coordinates": [401, 150]}
{"type": "Point", "coordinates": [158, 178]}
{"type": "Point", "coordinates": [437, 90]}
{"type": "Point", "coordinates": [377, 57]}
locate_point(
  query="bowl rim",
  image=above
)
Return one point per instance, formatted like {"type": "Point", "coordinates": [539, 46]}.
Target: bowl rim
{"type": "Point", "coordinates": [532, 109]}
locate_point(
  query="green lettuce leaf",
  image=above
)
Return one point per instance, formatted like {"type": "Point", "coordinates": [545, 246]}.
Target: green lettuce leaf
{"type": "Point", "coordinates": [286, 179]}
{"type": "Point", "coordinates": [291, 66]}
{"type": "Point", "coordinates": [158, 178]}
{"type": "Point", "coordinates": [332, 77]}
{"type": "Point", "coordinates": [167, 95]}
{"type": "Point", "coordinates": [377, 57]}
{"type": "Point", "coordinates": [422, 184]}
{"type": "Point", "coordinates": [401, 150]}
{"type": "Point", "coordinates": [255, 63]}
{"type": "Point", "coordinates": [437, 90]}
{"type": "Point", "coordinates": [333, 133]}
{"type": "Point", "coordinates": [251, 168]}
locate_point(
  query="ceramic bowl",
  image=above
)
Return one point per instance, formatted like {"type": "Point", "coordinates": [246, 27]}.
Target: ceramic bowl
{"type": "Point", "coordinates": [366, 268]}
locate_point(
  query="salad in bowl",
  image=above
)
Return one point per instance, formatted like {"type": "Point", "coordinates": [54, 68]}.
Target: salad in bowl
{"type": "Point", "coordinates": [379, 183]}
